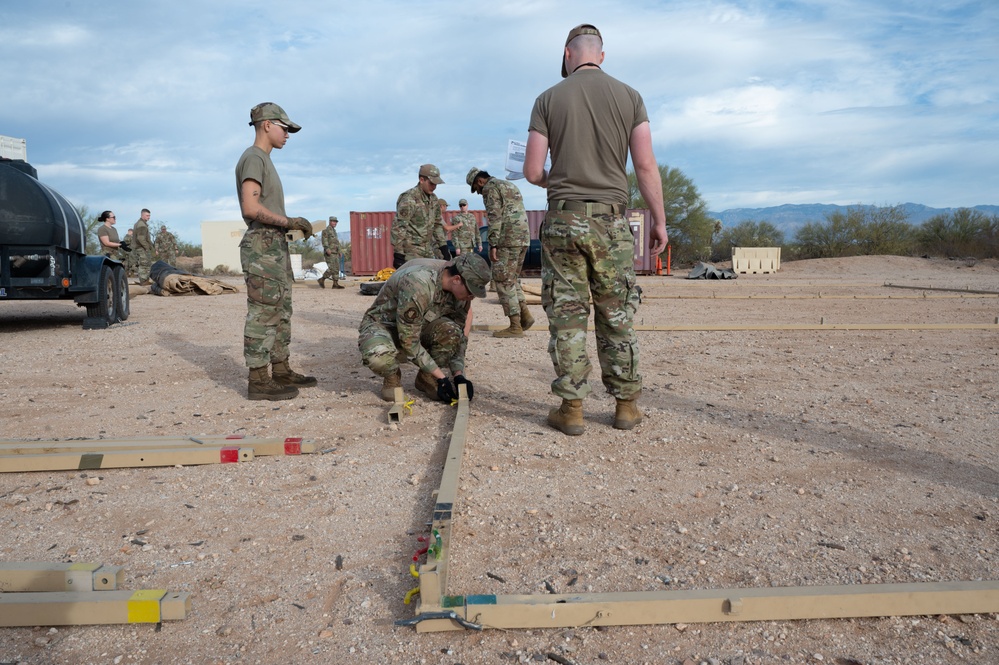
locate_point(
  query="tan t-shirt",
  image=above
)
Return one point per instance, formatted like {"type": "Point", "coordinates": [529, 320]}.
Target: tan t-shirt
{"type": "Point", "coordinates": [588, 119]}
{"type": "Point", "coordinates": [255, 164]}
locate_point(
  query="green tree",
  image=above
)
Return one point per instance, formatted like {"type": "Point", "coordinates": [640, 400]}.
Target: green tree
{"type": "Point", "coordinates": [966, 232]}
{"type": "Point", "coordinates": [747, 233]}
{"type": "Point", "coordinates": [837, 236]}
{"type": "Point", "coordinates": [886, 230]}
{"type": "Point", "coordinates": [690, 228]}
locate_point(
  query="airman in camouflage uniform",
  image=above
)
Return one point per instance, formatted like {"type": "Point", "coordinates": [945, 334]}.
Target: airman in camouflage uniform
{"type": "Point", "coordinates": [417, 214]}
{"type": "Point", "coordinates": [166, 247]}
{"type": "Point", "coordinates": [465, 236]}
{"type": "Point", "coordinates": [441, 231]}
{"type": "Point", "coordinates": [587, 248]}
{"type": "Point", "coordinates": [263, 253]}
{"type": "Point", "coordinates": [509, 238]}
{"type": "Point", "coordinates": [142, 249]}
{"type": "Point", "coordinates": [331, 250]}
{"type": "Point", "coordinates": [419, 317]}
{"type": "Point", "coordinates": [129, 256]}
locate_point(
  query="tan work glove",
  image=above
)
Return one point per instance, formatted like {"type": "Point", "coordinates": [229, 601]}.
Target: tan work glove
{"type": "Point", "coordinates": [300, 224]}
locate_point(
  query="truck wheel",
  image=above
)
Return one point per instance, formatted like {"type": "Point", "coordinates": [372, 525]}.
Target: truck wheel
{"type": "Point", "coordinates": [121, 298]}
{"type": "Point", "coordinates": [104, 308]}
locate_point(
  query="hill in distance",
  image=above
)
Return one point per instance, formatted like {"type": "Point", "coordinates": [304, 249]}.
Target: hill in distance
{"type": "Point", "coordinates": [788, 218]}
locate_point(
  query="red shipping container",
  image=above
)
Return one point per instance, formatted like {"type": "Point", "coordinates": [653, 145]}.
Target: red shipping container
{"type": "Point", "coordinates": [371, 247]}
{"type": "Point", "coordinates": [371, 239]}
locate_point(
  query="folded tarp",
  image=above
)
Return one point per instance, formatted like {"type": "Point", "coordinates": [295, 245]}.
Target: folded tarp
{"type": "Point", "coordinates": [169, 281]}
{"type": "Point", "coordinates": [707, 271]}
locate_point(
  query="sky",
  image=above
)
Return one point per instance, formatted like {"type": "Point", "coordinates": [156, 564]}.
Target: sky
{"type": "Point", "coordinates": [127, 104]}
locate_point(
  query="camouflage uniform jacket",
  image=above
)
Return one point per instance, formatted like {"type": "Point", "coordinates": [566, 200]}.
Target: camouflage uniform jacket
{"type": "Point", "coordinates": [506, 214]}
{"type": "Point", "coordinates": [331, 243]}
{"type": "Point", "coordinates": [467, 238]}
{"type": "Point", "coordinates": [166, 244]}
{"type": "Point", "coordinates": [412, 298]}
{"type": "Point", "coordinates": [141, 233]}
{"type": "Point", "coordinates": [416, 214]}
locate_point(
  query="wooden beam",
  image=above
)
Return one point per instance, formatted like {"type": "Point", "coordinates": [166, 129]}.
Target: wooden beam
{"type": "Point", "coordinates": [21, 576]}
{"type": "Point", "coordinates": [92, 607]}
{"type": "Point", "coordinates": [119, 459]}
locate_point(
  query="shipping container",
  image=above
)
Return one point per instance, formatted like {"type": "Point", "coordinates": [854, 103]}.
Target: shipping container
{"type": "Point", "coordinates": [371, 239]}
{"type": "Point", "coordinates": [371, 247]}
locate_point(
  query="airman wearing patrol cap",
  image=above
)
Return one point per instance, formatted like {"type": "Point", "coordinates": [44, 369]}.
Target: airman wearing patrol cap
{"type": "Point", "coordinates": [419, 317]}
{"type": "Point", "coordinates": [417, 211]}
{"type": "Point", "coordinates": [331, 250]}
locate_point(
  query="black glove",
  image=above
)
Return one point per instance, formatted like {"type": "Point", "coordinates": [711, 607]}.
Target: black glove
{"type": "Point", "coordinates": [460, 379]}
{"type": "Point", "coordinates": [125, 246]}
{"type": "Point", "coordinates": [445, 252]}
{"type": "Point", "coordinates": [445, 390]}
{"type": "Point", "coordinates": [300, 224]}
{"type": "Point", "coordinates": [398, 260]}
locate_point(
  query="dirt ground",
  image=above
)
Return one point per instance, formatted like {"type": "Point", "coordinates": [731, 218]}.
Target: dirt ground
{"type": "Point", "coordinates": [768, 457]}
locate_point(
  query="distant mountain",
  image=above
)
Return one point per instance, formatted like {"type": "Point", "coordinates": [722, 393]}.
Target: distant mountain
{"type": "Point", "coordinates": [788, 218]}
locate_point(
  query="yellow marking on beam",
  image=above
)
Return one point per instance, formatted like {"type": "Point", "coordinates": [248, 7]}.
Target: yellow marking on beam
{"type": "Point", "coordinates": [144, 606]}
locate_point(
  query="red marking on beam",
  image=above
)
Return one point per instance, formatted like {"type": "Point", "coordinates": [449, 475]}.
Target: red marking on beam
{"type": "Point", "coordinates": [229, 455]}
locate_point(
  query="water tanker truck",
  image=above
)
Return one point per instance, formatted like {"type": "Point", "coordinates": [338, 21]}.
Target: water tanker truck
{"type": "Point", "coordinates": [43, 252]}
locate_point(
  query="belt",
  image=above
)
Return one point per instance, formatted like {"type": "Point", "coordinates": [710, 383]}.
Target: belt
{"type": "Point", "coordinates": [588, 207]}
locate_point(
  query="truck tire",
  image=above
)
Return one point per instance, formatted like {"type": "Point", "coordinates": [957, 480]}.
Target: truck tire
{"type": "Point", "coordinates": [104, 309]}
{"type": "Point", "coordinates": [121, 300]}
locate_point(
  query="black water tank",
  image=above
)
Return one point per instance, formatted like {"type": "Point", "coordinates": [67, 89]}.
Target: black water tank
{"type": "Point", "coordinates": [34, 214]}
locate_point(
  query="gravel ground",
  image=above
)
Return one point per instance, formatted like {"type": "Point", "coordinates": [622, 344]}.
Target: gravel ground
{"type": "Point", "coordinates": [767, 457]}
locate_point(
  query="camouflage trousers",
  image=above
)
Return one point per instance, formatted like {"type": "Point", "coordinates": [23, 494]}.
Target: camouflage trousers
{"type": "Point", "coordinates": [583, 256]}
{"type": "Point", "coordinates": [267, 272]}
{"type": "Point", "coordinates": [143, 260]}
{"type": "Point", "coordinates": [332, 267]}
{"type": "Point", "coordinates": [506, 275]}
{"type": "Point", "coordinates": [379, 345]}
{"type": "Point", "coordinates": [170, 258]}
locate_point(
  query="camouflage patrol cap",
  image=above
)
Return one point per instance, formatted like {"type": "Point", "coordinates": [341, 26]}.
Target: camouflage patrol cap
{"type": "Point", "coordinates": [475, 271]}
{"type": "Point", "coordinates": [431, 173]}
{"type": "Point", "coordinates": [271, 111]}
{"type": "Point", "coordinates": [442, 203]}
{"type": "Point", "coordinates": [333, 219]}
{"type": "Point", "coordinates": [581, 29]}
{"type": "Point", "coordinates": [473, 173]}
{"type": "Point", "coordinates": [463, 202]}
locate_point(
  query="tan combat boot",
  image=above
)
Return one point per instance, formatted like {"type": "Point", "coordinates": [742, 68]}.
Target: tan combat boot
{"type": "Point", "coordinates": [568, 418]}
{"type": "Point", "coordinates": [261, 386]}
{"type": "Point", "coordinates": [514, 330]}
{"type": "Point", "coordinates": [322, 282]}
{"type": "Point", "coordinates": [427, 384]}
{"type": "Point", "coordinates": [390, 383]}
{"type": "Point", "coordinates": [626, 413]}
{"type": "Point", "coordinates": [284, 376]}
{"type": "Point", "coordinates": [526, 320]}
{"type": "Point", "coordinates": [336, 283]}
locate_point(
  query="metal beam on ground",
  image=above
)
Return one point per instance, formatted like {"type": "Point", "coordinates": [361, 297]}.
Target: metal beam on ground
{"type": "Point", "coordinates": [120, 459]}
{"type": "Point", "coordinates": [789, 326]}
{"type": "Point", "coordinates": [260, 446]}
{"type": "Point", "coordinates": [22, 576]}
{"type": "Point", "coordinates": [433, 574]}
{"type": "Point", "coordinates": [92, 607]}
{"type": "Point", "coordinates": [438, 611]}
{"type": "Point", "coordinates": [398, 407]}
{"type": "Point", "coordinates": [718, 605]}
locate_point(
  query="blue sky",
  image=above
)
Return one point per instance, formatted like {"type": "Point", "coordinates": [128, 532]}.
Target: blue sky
{"type": "Point", "coordinates": [132, 104]}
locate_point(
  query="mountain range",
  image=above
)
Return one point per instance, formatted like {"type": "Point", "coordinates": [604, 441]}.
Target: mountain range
{"type": "Point", "coordinates": [788, 218]}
